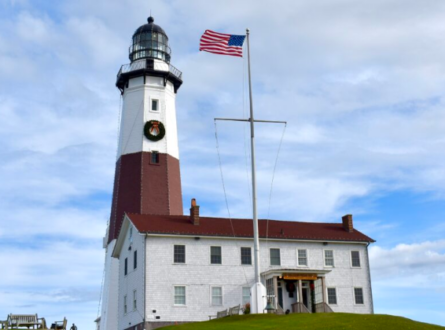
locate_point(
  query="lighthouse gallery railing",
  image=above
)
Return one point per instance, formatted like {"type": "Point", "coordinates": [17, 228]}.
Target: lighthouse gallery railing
{"type": "Point", "coordinates": [143, 64]}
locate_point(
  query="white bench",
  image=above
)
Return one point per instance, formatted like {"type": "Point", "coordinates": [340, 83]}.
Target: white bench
{"type": "Point", "coordinates": [23, 320]}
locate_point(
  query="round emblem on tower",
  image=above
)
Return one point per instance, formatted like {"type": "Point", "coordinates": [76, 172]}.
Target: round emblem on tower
{"type": "Point", "coordinates": [154, 130]}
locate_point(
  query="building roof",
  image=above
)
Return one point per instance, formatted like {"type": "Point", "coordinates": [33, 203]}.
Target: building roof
{"type": "Point", "coordinates": [224, 227]}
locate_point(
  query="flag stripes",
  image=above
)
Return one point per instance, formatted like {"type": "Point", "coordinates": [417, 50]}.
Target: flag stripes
{"type": "Point", "coordinates": [221, 43]}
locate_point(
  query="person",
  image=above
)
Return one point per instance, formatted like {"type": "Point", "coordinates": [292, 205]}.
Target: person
{"type": "Point", "coordinates": [73, 327]}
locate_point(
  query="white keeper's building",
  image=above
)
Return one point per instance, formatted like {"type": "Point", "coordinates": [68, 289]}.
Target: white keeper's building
{"type": "Point", "coordinates": [163, 267]}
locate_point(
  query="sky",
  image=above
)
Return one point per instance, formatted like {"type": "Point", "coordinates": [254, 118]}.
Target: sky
{"type": "Point", "coordinates": [360, 83]}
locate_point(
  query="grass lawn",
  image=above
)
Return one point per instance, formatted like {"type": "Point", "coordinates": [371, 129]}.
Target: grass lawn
{"type": "Point", "coordinates": [328, 321]}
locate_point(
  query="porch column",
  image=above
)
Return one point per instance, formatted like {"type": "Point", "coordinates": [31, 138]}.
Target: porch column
{"type": "Point", "coordinates": [275, 290]}
{"type": "Point", "coordinates": [300, 292]}
{"type": "Point", "coordinates": [323, 287]}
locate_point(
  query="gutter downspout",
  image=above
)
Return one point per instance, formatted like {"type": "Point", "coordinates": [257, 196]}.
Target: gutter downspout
{"type": "Point", "coordinates": [369, 279]}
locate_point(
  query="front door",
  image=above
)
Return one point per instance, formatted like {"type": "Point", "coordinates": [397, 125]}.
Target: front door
{"type": "Point", "coordinates": [305, 297]}
{"type": "Point", "coordinates": [280, 297]}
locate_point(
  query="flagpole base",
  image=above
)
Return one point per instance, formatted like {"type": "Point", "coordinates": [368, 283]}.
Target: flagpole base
{"type": "Point", "coordinates": [258, 298]}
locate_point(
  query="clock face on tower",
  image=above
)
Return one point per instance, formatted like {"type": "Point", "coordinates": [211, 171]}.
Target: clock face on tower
{"type": "Point", "coordinates": [154, 130]}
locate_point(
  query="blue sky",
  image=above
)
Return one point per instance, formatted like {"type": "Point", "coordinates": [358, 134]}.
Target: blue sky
{"type": "Point", "coordinates": [360, 83]}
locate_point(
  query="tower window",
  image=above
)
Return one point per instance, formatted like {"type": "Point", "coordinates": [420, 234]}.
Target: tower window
{"type": "Point", "coordinates": [154, 157]}
{"type": "Point", "coordinates": [154, 105]}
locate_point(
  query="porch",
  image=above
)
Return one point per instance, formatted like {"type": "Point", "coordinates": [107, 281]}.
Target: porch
{"type": "Point", "coordinates": [297, 290]}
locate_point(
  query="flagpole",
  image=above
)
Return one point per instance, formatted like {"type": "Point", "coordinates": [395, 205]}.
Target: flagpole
{"type": "Point", "coordinates": [256, 241]}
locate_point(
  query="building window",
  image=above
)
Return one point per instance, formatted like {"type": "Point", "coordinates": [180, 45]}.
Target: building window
{"type": "Point", "coordinates": [179, 254]}
{"type": "Point", "coordinates": [126, 266]}
{"type": "Point", "coordinates": [358, 293]}
{"type": "Point", "coordinates": [275, 259]}
{"type": "Point", "coordinates": [180, 295]}
{"type": "Point", "coordinates": [355, 258]}
{"type": "Point", "coordinates": [217, 296]}
{"type": "Point", "coordinates": [302, 257]}
{"type": "Point", "coordinates": [125, 304]}
{"type": "Point", "coordinates": [329, 258]}
{"type": "Point", "coordinates": [135, 302]}
{"type": "Point", "coordinates": [130, 234]}
{"type": "Point", "coordinates": [332, 296]}
{"type": "Point", "coordinates": [215, 255]}
{"type": "Point", "coordinates": [154, 105]}
{"type": "Point", "coordinates": [154, 157]}
{"type": "Point", "coordinates": [246, 296]}
{"type": "Point", "coordinates": [246, 256]}
{"type": "Point", "coordinates": [135, 259]}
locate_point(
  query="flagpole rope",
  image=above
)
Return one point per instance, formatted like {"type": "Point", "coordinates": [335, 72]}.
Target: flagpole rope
{"type": "Point", "coordinates": [225, 195]}
{"type": "Point", "coordinates": [271, 183]}
{"type": "Point", "coordinates": [246, 152]}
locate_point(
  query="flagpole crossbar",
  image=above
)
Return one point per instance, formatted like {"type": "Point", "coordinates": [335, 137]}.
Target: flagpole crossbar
{"type": "Point", "coordinates": [255, 120]}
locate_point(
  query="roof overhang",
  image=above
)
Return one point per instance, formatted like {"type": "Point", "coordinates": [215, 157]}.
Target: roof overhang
{"type": "Point", "coordinates": [121, 238]}
{"type": "Point", "coordinates": [306, 240]}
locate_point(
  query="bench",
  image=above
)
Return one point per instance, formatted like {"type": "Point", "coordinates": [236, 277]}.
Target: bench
{"type": "Point", "coordinates": [227, 312]}
{"type": "Point", "coordinates": [23, 320]}
{"type": "Point", "coordinates": [59, 325]}
{"type": "Point", "coordinates": [234, 310]}
{"type": "Point", "coordinates": [219, 315]}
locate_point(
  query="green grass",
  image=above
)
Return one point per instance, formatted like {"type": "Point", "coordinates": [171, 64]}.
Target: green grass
{"type": "Point", "coordinates": [328, 321]}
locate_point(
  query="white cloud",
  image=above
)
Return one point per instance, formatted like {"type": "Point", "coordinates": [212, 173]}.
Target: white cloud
{"type": "Point", "coordinates": [410, 265]}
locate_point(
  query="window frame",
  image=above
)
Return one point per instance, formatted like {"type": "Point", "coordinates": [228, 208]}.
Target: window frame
{"type": "Point", "coordinates": [158, 104]}
{"type": "Point", "coordinates": [306, 257]}
{"type": "Point", "coordinates": [355, 296]}
{"type": "Point", "coordinates": [125, 305]}
{"type": "Point", "coordinates": [220, 255]}
{"type": "Point", "coordinates": [135, 259]}
{"type": "Point", "coordinates": [126, 267]}
{"type": "Point", "coordinates": [324, 258]}
{"type": "Point", "coordinates": [327, 295]}
{"type": "Point", "coordinates": [211, 295]}
{"type": "Point", "coordinates": [157, 161]}
{"type": "Point", "coordinates": [250, 255]}
{"type": "Point", "coordinates": [279, 256]}
{"type": "Point", "coordinates": [174, 295]}
{"type": "Point", "coordinates": [185, 254]}
{"type": "Point", "coordinates": [135, 301]}
{"type": "Point", "coordinates": [359, 259]}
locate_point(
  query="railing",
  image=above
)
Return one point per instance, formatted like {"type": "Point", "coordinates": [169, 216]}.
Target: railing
{"type": "Point", "coordinates": [142, 65]}
{"type": "Point", "coordinates": [299, 307]}
{"type": "Point", "coordinates": [279, 310]}
{"type": "Point", "coordinates": [323, 308]}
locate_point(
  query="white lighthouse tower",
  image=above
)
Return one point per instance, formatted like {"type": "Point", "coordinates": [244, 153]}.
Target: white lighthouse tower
{"type": "Point", "coordinates": [147, 179]}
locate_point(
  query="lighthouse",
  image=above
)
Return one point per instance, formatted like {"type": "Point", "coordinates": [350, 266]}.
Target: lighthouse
{"type": "Point", "coordinates": [147, 178]}
{"type": "Point", "coordinates": [163, 267]}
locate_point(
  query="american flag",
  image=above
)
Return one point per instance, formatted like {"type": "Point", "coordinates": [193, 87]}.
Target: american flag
{"type": "Point", "coordinates": [221, 43]}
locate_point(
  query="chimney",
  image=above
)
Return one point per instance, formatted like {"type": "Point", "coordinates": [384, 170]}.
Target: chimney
{"type": "Point", "coordinates": [347, 223]}
{"type": "Point", "coordinates": [194, 213]}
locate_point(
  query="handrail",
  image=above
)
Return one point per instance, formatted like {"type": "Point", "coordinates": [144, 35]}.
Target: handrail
{"type": "Point", "coordinates": [323, 308]}
{"type": "Point", "coordinates": [142, 65]}
{"type": "Point", "coordinates": [299, 307]}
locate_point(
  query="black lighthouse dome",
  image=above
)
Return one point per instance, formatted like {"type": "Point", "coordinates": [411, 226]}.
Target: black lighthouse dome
{"type": "Point", "coordinates": [150, 41]}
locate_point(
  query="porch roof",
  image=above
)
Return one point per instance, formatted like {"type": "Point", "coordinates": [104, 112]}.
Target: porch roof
{"type": "Point", "coordinates": [280, 271]}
